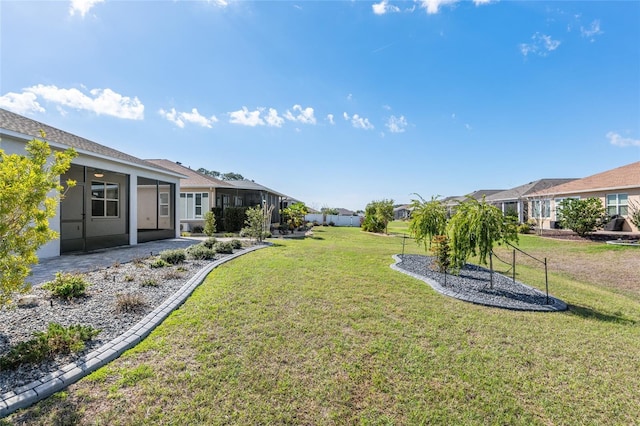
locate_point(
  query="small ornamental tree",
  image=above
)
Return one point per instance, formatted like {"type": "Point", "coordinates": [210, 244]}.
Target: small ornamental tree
{"type": "Point", "coordinates": [582, 216]}
{"type": "Point", "coordinates": [29, 193]}
{"type": "Point", "coordinates": [475, 228]}
{"type": "Point", "coordinates": [377, 216]}
{"type": "Point", "coordinates": [254, 223]}
{"type": "Point", "coordinates": [428, 219]}
{"type": "Point", "coordinates": [209, 224]}
{"type": "Point", "coordinates": [294, 215]}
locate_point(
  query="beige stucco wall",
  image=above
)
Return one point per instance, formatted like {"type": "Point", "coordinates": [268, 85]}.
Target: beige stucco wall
{"type": "Point", "coordinates": [633, 197]}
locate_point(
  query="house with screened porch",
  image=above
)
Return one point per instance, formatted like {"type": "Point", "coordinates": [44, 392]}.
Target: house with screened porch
{"type": "Point", "coordinates": [118, 199]}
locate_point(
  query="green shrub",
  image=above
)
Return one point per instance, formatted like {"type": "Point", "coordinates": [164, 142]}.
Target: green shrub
{"type": "Point", "coordinates": [582, 216]}
{"type": "Point", "coordinates": [209, 223]}
{"type": "Point", "coordinates": [224, 247]}
{"type": "Point", "coordinates": [442, 252]}
{"type": "Point", "coordinates": [158, 263]}
{"type": "Point", "coordinates": [234, 218]}
{"type": "Point", "coordinates": [173, 256]}
{"type": "Point", "coordinates": [236, 244]}
{"type": "Point", "coordinates": [201, 252]}
{"type": "Point", "coordinates": [524, 228]}
{"type": "Point", "coordinates": [229, 235]}
{"type": "Point", "coordinates": [67, 286]}
{"type": "Point", "coordinates": [210, 242]}
{"type": "Point", "coordinates": [56, 340]}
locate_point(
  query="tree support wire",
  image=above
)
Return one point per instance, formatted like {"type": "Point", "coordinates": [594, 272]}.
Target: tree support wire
{"type": "Point", "coordinates": [513, 267]}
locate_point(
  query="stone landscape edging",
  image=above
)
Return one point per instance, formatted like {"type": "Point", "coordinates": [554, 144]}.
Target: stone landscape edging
{"type": "Point", "coordinates": [557, 306]}
{"type": "Point", "coordinates": [51, 383]}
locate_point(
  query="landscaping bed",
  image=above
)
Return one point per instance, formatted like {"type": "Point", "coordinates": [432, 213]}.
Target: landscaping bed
{"type": "Point", "coordinates": [116, 298]}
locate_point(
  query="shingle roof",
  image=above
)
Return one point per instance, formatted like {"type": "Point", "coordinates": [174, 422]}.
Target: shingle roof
{"type": "Point", "coordinates": [619, 178]}
{"type": "Point", "coordinates": [475, 194]}
{"type": "Point", "coordinates": [193, 178]}
{"type": "Point", "coordinates": [26, 126]}
{"type": "Point", "coordinates": [528, 188]}
{"type": "Point", "coordinates": [249, 184]}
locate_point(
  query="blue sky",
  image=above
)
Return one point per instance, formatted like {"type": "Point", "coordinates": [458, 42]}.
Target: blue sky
{"type": "Point", "coordinates": [338, 103]}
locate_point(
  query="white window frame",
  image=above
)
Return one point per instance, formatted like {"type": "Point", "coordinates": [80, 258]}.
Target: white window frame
{"type": "Point", "coordinates": [164, 204]}
{"type": "Point", "coordinates": [189, 206]}
{"type": "Point", "coordinates": [546, 209]}
{"type": "Point", "coordinates": [619, 205]}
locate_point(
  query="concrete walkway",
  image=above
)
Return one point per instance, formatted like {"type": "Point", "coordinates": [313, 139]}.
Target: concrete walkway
{"type": "Point", "coordinates": [86, 262]}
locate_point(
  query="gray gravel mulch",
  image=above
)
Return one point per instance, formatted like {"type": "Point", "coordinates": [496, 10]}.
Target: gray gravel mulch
{"type": "Point", "coordinates": [474, 285]}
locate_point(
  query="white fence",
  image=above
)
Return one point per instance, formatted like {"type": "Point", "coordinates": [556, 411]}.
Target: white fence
{"type": "Point", "coordinates": [337, 220]}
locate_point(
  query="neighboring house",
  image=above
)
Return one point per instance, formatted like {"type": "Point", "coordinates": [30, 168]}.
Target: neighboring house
{"type": "Point", "coordinates": [402, 212]}
{"type": "Point", "coordinates": [200, 193]}
{"type": "Point", "coordinates": [118, 199]}
{"type": "Point", "coordinates": [451, 203]}
{"type": "Point", "coordinates": [513, 201]}
{"type": "Point", "coordinates": [345, 212]}
{"type": "Point", "coordinates": [197, 193]}
{"type": "Point", "coordinates": [288, 202]}
{"type": "Point", "coordinates": [249, 193]}
{"type": "Point", "coordinates": [616, 188]}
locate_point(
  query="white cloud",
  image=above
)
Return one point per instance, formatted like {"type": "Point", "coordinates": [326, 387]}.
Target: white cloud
{"type": "Point", "coordinates": [433, 6]}
{"type": "Point", "coordinates": [21, 103]}
{"type": "Point", "coordinates": [246, 117]}
{"type": "Point", "coordinates": [541, 45]}
{"type": "Point", "coordinates": [99, 101]}
{"type": "Point", "coordinates": [592, 31]}
{"type": "Point", "coordinates": [220, 3]}
{"type": "Point", "coordinates": [82, 6]}
{"type": "Point", "coordinates": [304, 116]}
{"type": "Point", "coordinates": [618, 140]}
{"type": "Point", "coordinates": [349, 97]}
{"type": "Point", "coordinates": [273, 119]}
{"type": "Point", "coordinates": [384, 7]}
{"type": "Point", "coordinates": [180, 118]}
{"type": "Point", "coordinates": [396, 124]}
{"type": "Point", "coordinates": [330, 119]}
{"type": "Point", "coordinates": [358, 122]}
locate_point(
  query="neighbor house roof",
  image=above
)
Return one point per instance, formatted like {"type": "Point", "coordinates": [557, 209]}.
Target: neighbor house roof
{"type": "Point", "coordinates": [619, 178]}
{"type": "Point", "coordinates": [17, 125]}
{"type": "Point", "coordinates": [194, 179]}
{"type": "Point", "coordinates": [475, 194]}
{"type": "Point", "coordinates": [249, 184]}
{"type": "Point", "coordinates": [528, 188]}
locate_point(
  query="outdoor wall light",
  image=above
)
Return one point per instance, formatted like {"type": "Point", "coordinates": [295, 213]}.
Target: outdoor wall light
{"type": "Point", "coordinates": [98, 173]}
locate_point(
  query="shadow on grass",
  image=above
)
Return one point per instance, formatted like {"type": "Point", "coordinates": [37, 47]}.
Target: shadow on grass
{"type": "Point", "coordinates": [584, 312]}
{"type": "Point", "coordinates": [57, 410]}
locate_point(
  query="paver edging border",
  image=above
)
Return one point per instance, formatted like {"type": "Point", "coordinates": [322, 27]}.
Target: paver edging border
{"type": "Point", "coordinates": [51, 383]}
{"type": "Point", "coordinates": [556, 304]}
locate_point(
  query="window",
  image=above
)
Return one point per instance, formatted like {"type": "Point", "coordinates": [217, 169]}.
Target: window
{"type": "Point", "coordinates": [163, 204]}
{"type": "Point", "coordinates": [105, 199]}
{"type": "Point", "coordinates": [193, 204]}
{"type": "Point", "coordinates": [545, 205]}
{"type": "Point", "coordinates": [617, 204]}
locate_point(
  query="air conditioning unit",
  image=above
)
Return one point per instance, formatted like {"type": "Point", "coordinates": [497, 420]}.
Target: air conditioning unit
{"type": "Point", "coordinates": [185, 227]}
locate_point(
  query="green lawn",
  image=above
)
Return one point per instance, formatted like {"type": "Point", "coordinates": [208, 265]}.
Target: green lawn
{"type": "Point", "coordinates": [322, 331]}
